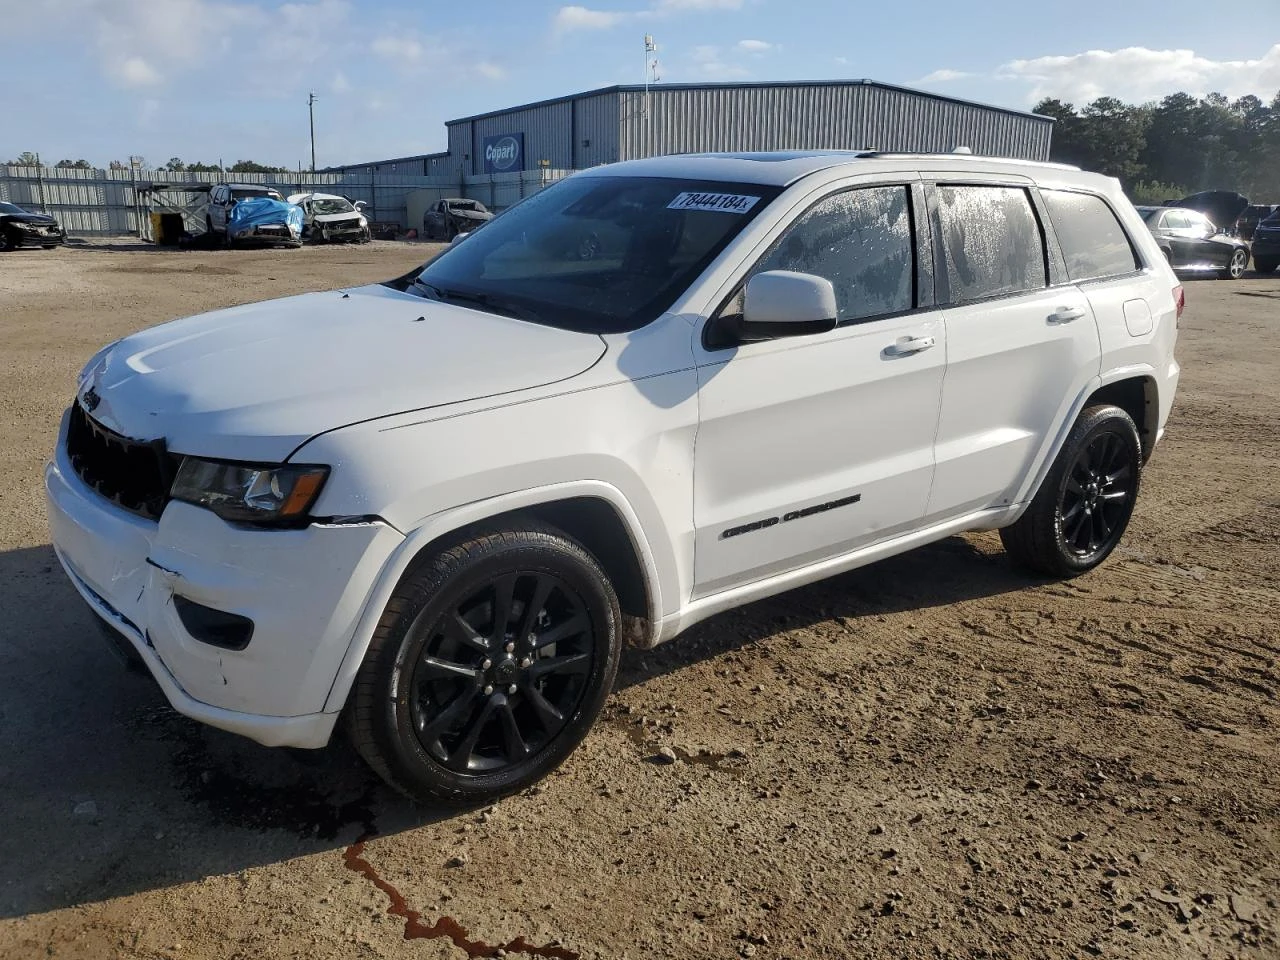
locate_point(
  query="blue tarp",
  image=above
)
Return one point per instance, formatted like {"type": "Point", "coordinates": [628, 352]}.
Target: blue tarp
{"type": "Point", "coordinates": [255, 211]}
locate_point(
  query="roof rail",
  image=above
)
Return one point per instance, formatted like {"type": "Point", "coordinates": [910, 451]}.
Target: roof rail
{"type": "Point", "coordinates": [957, 155]}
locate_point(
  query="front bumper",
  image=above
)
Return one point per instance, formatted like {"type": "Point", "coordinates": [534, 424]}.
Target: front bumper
{"type": "Point", "coordinates": [340, 230]}
{"type": "Point", "coordinates": [304, 590]}
{"type": "Point", "coordinates": [39, 236]}
{"type": "Point", "coordinates": [272, 232]}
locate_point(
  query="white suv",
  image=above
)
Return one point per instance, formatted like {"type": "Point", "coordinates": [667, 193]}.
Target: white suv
{"type": "Point", "coordinates": [436, 507]}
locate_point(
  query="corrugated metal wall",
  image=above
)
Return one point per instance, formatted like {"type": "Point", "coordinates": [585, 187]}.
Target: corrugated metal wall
{"type": "Point", "coordinates": [104, 202]}
{"type": "Point", "coordinates": [596, 131]}
{"type": "Point", "coordinates": [820, 116]}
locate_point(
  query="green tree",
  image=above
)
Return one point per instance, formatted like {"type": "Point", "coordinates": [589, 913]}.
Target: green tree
{"type": "Point", "coordinates": [25, 159]}
{"type": "Point", "coordinates": [175, 165]}
{"type": "Point", "coordinates": [74, 165]}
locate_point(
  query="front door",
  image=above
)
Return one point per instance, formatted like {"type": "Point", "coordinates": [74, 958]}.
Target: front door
{"type": "Point", "coordinates": [809, 447]}
{"type": "Point", "coordinates": [1018, 350]}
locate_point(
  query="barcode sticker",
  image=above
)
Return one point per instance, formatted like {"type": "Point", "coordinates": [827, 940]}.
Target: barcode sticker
{"type": "Point", "coordinates": [717, 202]}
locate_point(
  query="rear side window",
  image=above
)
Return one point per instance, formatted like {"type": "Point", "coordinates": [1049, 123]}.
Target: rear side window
{"type": "Point", "coordinates": [1092, 240]}
{"type": "Point", "coordinates": [991, 242]}
{"type": "Point", "coordinates": [861, 241]}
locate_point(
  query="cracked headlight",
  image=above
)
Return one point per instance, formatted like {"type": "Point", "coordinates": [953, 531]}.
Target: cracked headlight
{"type": "Point", "coordinates": [250, 493]}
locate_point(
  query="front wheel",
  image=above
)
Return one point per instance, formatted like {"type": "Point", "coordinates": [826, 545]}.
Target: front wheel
{"type": "Point", "coordinates": [7, 241]}
{"type": "Point", "coordinates": [1265, 265]}
{"type": "Point", "coordinates": [1084, 504]}
{"type": "Point", "coordinates": [1237, 265]}
{"type": "Point", "coordinates": [488, 667]}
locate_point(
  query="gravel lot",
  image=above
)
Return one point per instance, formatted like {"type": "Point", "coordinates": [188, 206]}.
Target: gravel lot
{"type": "Point", "coordinates": [932, 757]}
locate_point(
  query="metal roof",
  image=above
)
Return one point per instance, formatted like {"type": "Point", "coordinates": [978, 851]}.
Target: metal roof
{"type": "Point", "coordinates": [659, 87]}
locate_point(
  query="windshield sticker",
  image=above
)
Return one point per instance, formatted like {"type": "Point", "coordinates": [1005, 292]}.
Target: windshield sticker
{"type": "Point", "coordinates": [718, 202]}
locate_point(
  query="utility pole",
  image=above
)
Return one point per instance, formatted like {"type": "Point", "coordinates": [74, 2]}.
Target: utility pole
{"type": "Point", "coordinates": [650, 65]}
{"type": "Point", "coordinates": [311, 111]}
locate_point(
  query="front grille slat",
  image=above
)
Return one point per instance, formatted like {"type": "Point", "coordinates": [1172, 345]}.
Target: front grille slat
{"type": "Point", "coordinates": [132, 474]}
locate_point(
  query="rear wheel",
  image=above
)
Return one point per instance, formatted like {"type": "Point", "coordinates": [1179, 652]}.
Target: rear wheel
{"type": "Point", "coordinates": [1084, 504]}
{"type": "Point", "coordinates": [488, 667]}
{"type": "Point", "coordinates": [1237, 265]}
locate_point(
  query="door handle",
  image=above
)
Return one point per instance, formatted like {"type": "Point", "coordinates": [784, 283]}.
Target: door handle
{"type": "Point", "coordinates": [905, 346]}
{"type": "Point", "coordinates": [1066, 314]}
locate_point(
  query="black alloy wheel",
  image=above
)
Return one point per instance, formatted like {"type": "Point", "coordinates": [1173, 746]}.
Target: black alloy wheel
{"type": "Point", "coordinates": [7, 241]}
{"type": "Point", "coordinates": [1085, 501]}
{"type": "Point", "coordinates": [501, 672]}
{"type": "Point", "coordinates": [490, 663]}
{"type": "Point", "coordinates": [1097, 496]}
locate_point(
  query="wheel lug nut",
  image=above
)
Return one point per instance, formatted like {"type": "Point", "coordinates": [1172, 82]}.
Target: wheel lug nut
{"type": "Point", "coordinates": [512, 688]}
{"type": "Point", "coordinates": [488, 688]}
{"type": "Point", "coordinates": [487, 664]}
{"type": "Point", "coordinates": [510, 647]}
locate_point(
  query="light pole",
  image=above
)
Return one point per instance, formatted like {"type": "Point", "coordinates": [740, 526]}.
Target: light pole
{"type": "Point", "coordinates": [311, 113]}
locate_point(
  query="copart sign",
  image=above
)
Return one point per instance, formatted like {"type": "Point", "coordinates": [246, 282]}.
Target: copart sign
{"type": "Point", "coordinates": [503, 153]}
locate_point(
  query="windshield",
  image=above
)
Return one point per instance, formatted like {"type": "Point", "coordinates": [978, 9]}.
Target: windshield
{"type": "Point", "coordinates": [595, 254]}
{"type": "Point", "coordinates": [334, 205]}
{"type": "Point", "coordinates": [10, 208]}
{"type": "Point", "coordinates": [241, 194]}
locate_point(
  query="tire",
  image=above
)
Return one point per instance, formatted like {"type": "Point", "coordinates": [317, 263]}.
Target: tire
{"type": "Point", "coordinates": [1084, 504]}
{"type": "Point", "coordinates": [8, 241]}
{"type": "Point", "coordinates": [1238, 264]}
{"type": "Point", "coordinates": [432, 709]}
{"type": "Point", "coordinates": [1265, 265]}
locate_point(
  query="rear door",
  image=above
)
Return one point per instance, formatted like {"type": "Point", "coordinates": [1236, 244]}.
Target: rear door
{"type": "Point", "coordinates": [1021, 344]}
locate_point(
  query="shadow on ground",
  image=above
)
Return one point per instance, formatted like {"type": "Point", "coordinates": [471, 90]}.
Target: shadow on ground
{"type": "Point", "coordinates": [107, 791]}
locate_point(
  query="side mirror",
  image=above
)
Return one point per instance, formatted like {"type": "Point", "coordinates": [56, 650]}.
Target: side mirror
{"type": "Point", "coordinates": [360, 204]}
{"type": "Point", "coordinates": [780, 303]}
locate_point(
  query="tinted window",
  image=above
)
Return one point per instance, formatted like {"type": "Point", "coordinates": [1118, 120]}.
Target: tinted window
{"type": "Point", "coordinates": [991, 242]}
{"type": "Point", "coordinates": [598, 254]}
{"type": "Point", "coordinates": [1092, 240]}
{"type": "Point", "coordinates": [860, 240]}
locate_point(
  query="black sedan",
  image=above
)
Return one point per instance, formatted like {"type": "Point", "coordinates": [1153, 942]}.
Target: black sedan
{"type": "Point", "coordinates": [1191, 242]}
{"type": "Point", "coordinates": [18, 228]}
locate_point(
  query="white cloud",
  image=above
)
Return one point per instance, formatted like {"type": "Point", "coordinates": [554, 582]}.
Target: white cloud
{"type": "Point", "coordinates": [1138, 74]}
{"type": "Point", "coordinates": [398, 49]}
{"type": "Point", "coordinates": [678, 5]}
{"type": "Point", "coordinates": [339, 83]}
{"type": "Point", "coordinates": [490, 70]}
{"type": "Point", "coordinates": [754, 46]}
{"type": "Point", "coordinates": [709, 64]}
{"type": "Point", "coordinates": [944, 76]}
{"type": "Point", "coordinates": [843, 61]}
{"type": "Point", "coordinates": [583, 18]}
{"type": "Point", "coordinates": [136, 72]}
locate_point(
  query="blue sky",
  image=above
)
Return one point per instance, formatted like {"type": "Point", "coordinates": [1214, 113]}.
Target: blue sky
{"type": "Point", "coordinates": [210, 79]}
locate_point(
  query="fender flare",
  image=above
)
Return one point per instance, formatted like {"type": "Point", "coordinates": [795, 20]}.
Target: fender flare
{"type": "Point", "coordinates": [441, 524]}
{"type": "Point", "coordinates": [1050, 451]}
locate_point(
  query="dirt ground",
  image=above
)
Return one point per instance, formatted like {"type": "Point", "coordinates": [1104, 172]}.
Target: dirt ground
{"type": "Point", "coordinates": [933, 757]}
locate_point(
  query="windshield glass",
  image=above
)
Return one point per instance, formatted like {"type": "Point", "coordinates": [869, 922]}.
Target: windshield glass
{"type": "Point", "coordinates": [331, 205]}
{"type": "Point", "coordinates": [595, 254]}
{"type": "Point", "coordinates": [10, 208]}
{"type": "Point", "coordinates": [243, 194]}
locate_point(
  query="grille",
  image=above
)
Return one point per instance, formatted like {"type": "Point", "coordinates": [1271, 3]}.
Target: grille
{"type": "Point", "coordinates": [131, 474]}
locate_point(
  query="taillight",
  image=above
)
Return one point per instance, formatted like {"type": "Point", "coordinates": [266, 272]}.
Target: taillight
{"type": "Point", "coordinates": [1179, 300]}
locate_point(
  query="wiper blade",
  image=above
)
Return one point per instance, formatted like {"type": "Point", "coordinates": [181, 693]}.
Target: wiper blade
{"type": "Point", "coordinates": [485, 301]}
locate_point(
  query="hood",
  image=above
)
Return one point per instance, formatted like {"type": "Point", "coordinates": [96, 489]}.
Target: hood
{"type": "Point", "coordinates": [254, 382]}
{"type": "Point", "coordinates": [471, 215]}
{"type": "Point", "coordinates": [29, 218]}
{"type": "Point", "coordinates": [1223, 207]}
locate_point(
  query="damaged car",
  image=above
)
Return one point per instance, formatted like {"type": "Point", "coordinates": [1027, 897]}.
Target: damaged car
{"type": "Point", "coordinates": [251, 212]}
{"type": "Point", "coordinates": [21, 228]}
{"type": "Point", "coordinates": [449, 217]}
{"type": "Point", "coordinates": [327, 217]}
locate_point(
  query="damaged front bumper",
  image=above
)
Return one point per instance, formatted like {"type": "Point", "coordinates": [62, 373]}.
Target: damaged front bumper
{"type": "Point", "coordinates": [302, 591]}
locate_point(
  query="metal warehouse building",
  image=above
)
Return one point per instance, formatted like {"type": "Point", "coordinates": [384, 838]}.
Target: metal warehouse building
{"type": "Point", "coordinates": [629, 122]}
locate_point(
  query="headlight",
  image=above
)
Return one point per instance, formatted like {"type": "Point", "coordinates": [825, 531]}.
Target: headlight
{"type": "Point", "coordinates": [364, 222]}
{"type": "Point", "coordinates": [249, 493]}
